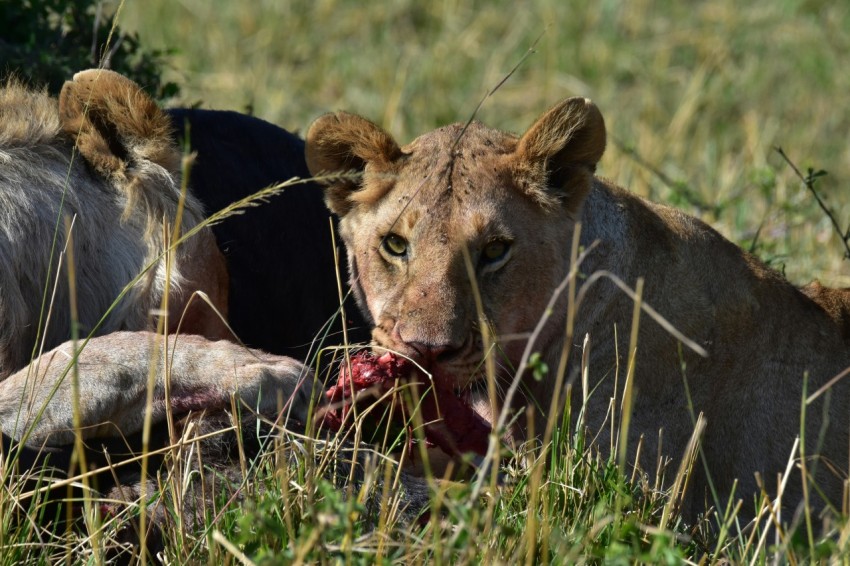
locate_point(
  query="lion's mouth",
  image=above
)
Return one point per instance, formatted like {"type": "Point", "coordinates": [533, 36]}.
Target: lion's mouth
{"type": "Point", "coordinates": [451, 423]}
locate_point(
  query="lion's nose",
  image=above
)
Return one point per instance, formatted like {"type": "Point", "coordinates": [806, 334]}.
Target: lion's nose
{"type": "Point", "coordinates": [429, 353]}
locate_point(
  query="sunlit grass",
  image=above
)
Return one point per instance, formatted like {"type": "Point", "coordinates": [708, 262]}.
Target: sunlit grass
{"type": "Point", "coordinates": [702, 92]}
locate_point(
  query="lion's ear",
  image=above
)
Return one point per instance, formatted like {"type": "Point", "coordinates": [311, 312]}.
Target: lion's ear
{"type": "Point", "coordinates": [564, 144]}
{"type": "Point", "coordinates": [114, 122]}
{"type": "Point", "coordinates": [341, 143]}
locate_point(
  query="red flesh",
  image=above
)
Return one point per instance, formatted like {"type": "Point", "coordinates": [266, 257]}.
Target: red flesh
{"type": "Point", "coordinates": [453, 425]}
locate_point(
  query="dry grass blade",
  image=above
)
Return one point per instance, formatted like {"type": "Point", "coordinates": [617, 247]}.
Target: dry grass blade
{"type": "Point", "coordinates": [827, 386]}
{"type": "Point", "coordinates": [232, 549]}
{"type": "Point", "coordinates": [772, 508]}
{"type": "Point", "coordinates": [491, 92]}
{"type": "Point", "coordinates": [683, 474]}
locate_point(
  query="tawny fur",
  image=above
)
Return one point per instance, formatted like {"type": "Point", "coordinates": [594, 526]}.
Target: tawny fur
{"type": "Point", "coordinates": [106, 149]}
{"type": "Point", "coordinates": [835, 302]}
{"type": "Point", "coordinates": [120, 187]}
{"type": "Point", "coordinates": [457, 188]}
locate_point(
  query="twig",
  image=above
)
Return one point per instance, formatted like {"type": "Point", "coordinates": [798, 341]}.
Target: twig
{"type": "Point", "coordinates": [809, 180]}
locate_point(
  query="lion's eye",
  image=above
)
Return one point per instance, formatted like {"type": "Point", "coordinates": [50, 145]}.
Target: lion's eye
{"type": "Point", "coordinates": [494, 251]}
{"type": "Point", "coordinates": [395, 245]}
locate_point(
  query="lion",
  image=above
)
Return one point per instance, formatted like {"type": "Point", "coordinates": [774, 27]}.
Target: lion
{"type": "Point", "coordinates": [113, 374]}
{"type": "Point", "coordinates": [103, 157]}
{"type": "Point", "coordinates": [469, 228]}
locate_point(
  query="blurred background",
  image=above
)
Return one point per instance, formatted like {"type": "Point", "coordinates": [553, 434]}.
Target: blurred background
{"type": "Point", "coordinates": [697, 95]}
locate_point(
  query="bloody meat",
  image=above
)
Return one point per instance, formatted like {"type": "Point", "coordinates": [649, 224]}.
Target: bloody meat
{"type": "Point", "coordinates": [450, 422]}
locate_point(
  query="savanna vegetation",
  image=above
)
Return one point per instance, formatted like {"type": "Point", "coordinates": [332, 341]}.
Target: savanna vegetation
{"type": "Point", "coordinates": [698, 97]}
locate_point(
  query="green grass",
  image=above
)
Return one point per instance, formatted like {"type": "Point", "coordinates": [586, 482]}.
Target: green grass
{"type": "Point", "coordinates": [696, 96]}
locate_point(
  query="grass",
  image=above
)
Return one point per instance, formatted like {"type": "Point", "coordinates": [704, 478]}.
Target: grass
{"type": "Point", "coordinates": [286, 508]}
{"type": "Point", "coordinates": [696, 95]}
{"type": "Point", "coordinates": [696, 98]}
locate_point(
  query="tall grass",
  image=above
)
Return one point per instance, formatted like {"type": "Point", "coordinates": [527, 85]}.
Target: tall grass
{"type": "Point", "coordinates": [560, 502]}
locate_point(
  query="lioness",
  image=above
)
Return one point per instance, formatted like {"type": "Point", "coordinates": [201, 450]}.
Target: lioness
{"type": "Point", "coordinates": [103, 156]}
{"type": "Point", "coordinates": [514, 204]}
{"type": "Point", "coordinates": [120, 188]}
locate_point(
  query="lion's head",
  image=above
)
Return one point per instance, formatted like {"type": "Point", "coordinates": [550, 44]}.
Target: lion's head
{"type": "Point", "coordinates": [465, 225]}
{"type": "Point", "coordinates": [101, 156]}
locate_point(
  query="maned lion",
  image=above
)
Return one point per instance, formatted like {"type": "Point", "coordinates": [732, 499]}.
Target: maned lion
{"type": "Point", "coordinates": [102, 156]}
{"type": "Point", "coordinates": [757, 344]}
{"type": "Point", "coordinates": [120, 188]}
